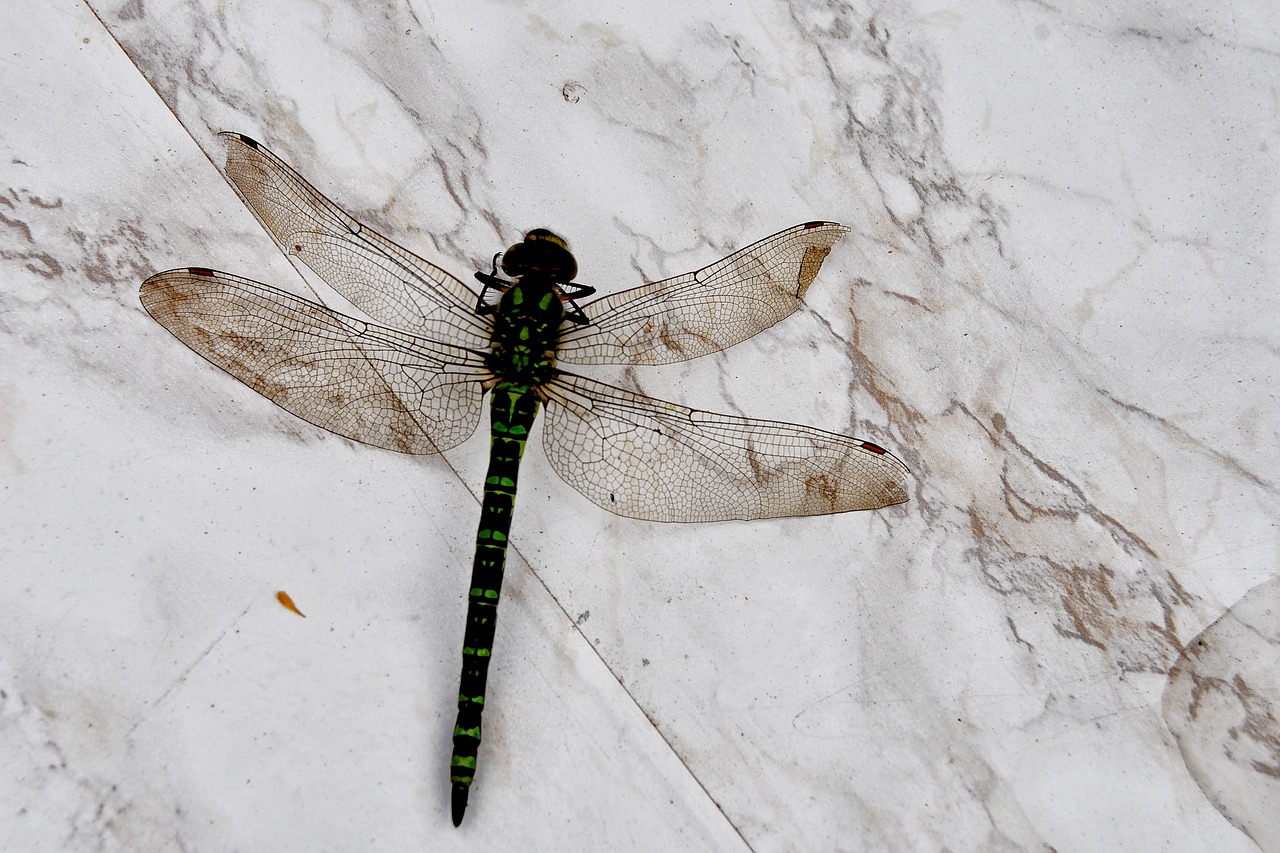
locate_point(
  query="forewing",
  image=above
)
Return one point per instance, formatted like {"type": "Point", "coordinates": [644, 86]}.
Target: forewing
{"type": "Point", "coordinates": [381, 278]}
{"type": "Point", "coordinates": [705, 311]}
{"type": "Point", "coordinates": [366, 382]}
{"type": "Point", "coordinates": [649, 459]}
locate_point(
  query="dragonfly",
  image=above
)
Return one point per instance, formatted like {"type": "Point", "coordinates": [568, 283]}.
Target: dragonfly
{"type": "Point", "coordinates": [416, 384]}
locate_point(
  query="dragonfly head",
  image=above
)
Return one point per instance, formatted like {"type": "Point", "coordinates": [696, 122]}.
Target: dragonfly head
{"type": "Point", "coordinates": [541, 252]}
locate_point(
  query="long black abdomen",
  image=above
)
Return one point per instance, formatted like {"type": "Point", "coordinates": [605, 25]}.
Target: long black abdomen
{"type": "Point", "coordinates": [512, 412]}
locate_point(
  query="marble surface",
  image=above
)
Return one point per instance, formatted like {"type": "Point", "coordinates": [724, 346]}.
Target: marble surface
{"type": "Point", "coordinates": [1058, 305]}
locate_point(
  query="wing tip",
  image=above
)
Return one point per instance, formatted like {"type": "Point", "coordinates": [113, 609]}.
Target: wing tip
{"type": "Point", "coordinates": [898, 475]}
{"type": "Point", "coordinates": [249, 141]}
{"type": "Point", "coordinates": [165, 288]}
{"type": "Point", "coordinates": [824, 223]}
{"type": "Point", "coordinates": [820, 233]}
{"type": "Point", "coordinates": [900, 496]}
{"type": "Point", "coordinates": [202, 272]}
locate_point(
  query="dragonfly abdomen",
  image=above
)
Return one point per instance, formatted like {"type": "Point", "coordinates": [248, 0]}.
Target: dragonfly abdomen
{"type": "Point", "coordinates": [512, 412]}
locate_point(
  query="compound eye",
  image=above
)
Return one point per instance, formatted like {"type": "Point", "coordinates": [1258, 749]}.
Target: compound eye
{"type": "Point", "coordinates": [513, 260]}
{"type": "Point", "coordinates": [561, 267]}
{"type": "Point", "coordinates": [541, 252]}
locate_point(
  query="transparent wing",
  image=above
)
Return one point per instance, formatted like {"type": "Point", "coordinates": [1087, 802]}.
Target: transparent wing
{"type": "Point", "coordinates": [704, 311]}
{"type": "Point", "coordinates": [386, 281]}
{"type": "Point", "coordinates": [649, 459]}
{"type": "Point", "coordinates": [368, 383]}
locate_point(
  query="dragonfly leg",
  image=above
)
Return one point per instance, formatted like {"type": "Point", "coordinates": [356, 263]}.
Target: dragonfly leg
{"type": "Point", "coordinates": [490, 280]}
{"type": "Point", "coordinates": [569, 291]}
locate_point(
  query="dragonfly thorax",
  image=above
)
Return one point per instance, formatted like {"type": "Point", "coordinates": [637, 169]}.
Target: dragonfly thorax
{"type": "Point", "coordinates": [526, 330]}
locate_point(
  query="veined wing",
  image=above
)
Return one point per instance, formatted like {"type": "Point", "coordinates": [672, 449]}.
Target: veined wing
{"type": "Point", "coordinates": [704, 311]}
{"type": "Point", "coordinates": [368, 383]}
{"type": "Point", "coordinates": [649, 459]}
{"type": "Point", "coordinates": [386, 281]}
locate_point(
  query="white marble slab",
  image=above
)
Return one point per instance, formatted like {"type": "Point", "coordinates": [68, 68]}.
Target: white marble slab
{"type": "Point", "coordinates": [1058, 306]}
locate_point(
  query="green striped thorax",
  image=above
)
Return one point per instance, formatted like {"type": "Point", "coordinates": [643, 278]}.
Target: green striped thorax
{"type": "Point", "coordinates": [526, 330]}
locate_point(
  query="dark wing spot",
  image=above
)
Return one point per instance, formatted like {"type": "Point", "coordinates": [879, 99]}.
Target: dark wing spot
{"type": "Point", "coordinates": [809, 266]}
